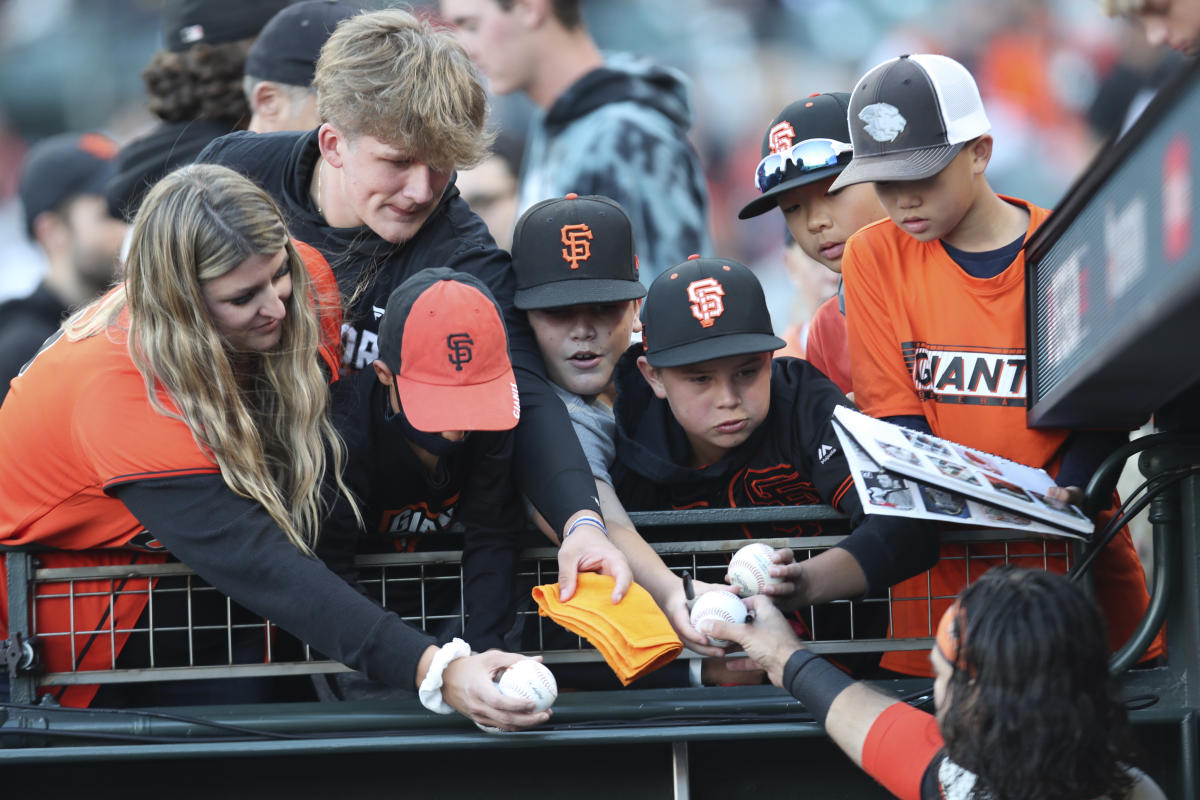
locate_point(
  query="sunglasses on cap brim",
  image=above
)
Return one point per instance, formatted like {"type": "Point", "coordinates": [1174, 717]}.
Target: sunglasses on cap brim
{"type": "Point", "coordinates": [806, 156]}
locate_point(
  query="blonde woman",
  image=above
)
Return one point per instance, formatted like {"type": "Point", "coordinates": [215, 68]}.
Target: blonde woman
{"type": "Point", "coordinates": [186, 412]}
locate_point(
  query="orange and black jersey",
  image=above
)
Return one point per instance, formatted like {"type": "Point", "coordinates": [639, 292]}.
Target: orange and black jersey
{"type": "Point", "coordinates": [793, 458]}
{"type": "Point", "coordinates": [469, 503]}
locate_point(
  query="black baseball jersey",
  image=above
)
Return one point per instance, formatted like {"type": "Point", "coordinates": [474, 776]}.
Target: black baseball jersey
{"type": "Point", "coordinates": [469, 502]}
{"type": "Point", "coordinates": [552, 469]}
{"type": "Point", "coordinates": [793, 458]}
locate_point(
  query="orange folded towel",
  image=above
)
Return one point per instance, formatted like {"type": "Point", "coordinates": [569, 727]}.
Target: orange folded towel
{"type": "Point", "coordinates": [634, 636]}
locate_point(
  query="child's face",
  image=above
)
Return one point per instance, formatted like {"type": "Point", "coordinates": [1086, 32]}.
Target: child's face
{"type": "Point", "coordinates": [718, 403]}
{"type": "Point", "coordinates": [932, 208]}
{"type": "Point", "coordinates": [581, 344]}
{"type": "Point", "coordinates": [821, 222]}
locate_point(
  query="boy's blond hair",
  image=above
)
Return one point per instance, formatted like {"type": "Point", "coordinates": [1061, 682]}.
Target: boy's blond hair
{"type": "Point", "coordinates": [392, 76]}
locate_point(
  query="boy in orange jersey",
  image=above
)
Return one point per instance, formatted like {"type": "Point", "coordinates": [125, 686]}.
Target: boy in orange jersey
{"type": "Point", "coordinates": [804, 149]}
{"type": "Point", "coordinates": [935, 310]}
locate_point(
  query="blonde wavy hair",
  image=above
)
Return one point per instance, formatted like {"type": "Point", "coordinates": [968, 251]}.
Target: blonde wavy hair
{"type": "Point", "coordinates": [263, 417]}
{"type": "Point", "coordinates": [390, 75]}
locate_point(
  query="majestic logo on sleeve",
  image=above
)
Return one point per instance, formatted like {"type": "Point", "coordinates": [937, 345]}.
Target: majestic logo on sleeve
{"type": "Point", "coordinates": [578, 240]}
{"type": "Point", "coordinates": [966, 375]}
{"type": "Point", "coordinates": [460, 349]}
{"type": "Point", "coordinates": [781, 136]}
{"type": "Point", "coordinates": [707, 304]}
{"type": "Point", "coordinates": [884, 122]}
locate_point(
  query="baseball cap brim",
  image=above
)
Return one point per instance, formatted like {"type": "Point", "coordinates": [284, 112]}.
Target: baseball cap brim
{"type": "Point", "coordinates": [767, 200]}
{"type": "Point", "coordinates": [903, 165]}
{"type": "Point", "coordinates": [731, 344]}
{"type": "Point", "coordinates": [576, 292]}
{"type": "Point", "coordinates": [490, 406]}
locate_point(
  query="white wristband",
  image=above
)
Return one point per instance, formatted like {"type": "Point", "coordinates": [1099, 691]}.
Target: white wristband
{"type": "Point", "coordinates": [430, 692]}
{"type": "Point", "coordinates": [694, 671]}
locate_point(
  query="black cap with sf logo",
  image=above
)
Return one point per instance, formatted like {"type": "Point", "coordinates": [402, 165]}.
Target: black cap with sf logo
{"type": "Point", "coordinates": [572, 250]}
{"type": "Point", "coordinates": [706, 308]}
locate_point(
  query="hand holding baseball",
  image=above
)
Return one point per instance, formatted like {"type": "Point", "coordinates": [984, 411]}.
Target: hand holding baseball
{"type": "Point", "coordinates": [468, 686]}
{"type": "Point", "coordinates": [750, 569]}
{"type": "Point", "coordinates": [718, 605]}
{"type": "Point", "coordinates": [529, 679]}
{"type": "Point", "coordinates": [768, 641]}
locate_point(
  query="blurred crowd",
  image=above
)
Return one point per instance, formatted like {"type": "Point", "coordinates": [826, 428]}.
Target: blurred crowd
{"type": "Point", "coordinates": [1058, 78]}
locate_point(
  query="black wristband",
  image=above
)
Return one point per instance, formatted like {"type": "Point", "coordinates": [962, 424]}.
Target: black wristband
{"type": "Point", "coordinates": [814, 682]}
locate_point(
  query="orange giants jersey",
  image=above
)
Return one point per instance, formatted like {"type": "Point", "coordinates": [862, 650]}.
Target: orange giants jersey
{"type": "Point", "coordinates": [928, 339]}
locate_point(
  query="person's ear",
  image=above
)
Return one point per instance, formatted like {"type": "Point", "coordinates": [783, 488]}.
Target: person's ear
{"type": "Point", "coordinates": [382, 372]}
{"type": "Point", "coordinates": [533, 13]}
{"type": "Point", "coordinates": [333, 144]}
{"type": "Point", "coordinates": [637, 315]}
{"type": "Point", "coordinates": [653, 377]}
{"type": "Point", "coordinates": [266, 100]}
{"type": "Point", "coordinates": [981, 153]}
{"type": "Point", "coordinates": [51, 232]}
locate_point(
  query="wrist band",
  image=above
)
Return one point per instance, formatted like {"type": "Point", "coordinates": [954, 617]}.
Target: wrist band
{"type": "Point", "coordinates": [695, 672]}
{"type": "Point", "coordinates": [594, 521]}
{"type": "Point", "coordinates": [430, 692]}
{"type": "Point", "coordinates": [814, 682]}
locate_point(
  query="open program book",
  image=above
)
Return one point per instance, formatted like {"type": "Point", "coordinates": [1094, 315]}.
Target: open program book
{"type": "Point", "coordinates": [907, 473]}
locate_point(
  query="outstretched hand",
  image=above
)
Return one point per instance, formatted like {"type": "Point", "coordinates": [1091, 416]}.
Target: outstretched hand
{"type": "Point", "coordinates": [589, 550]}
{"type": "Point", "coordinates": [469, 686]}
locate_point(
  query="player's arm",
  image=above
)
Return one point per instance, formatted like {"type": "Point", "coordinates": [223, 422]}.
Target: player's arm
{"type": "Point", "coordinates": [892, 741]}
{"type": "Point", "coordinates": [233, 543]}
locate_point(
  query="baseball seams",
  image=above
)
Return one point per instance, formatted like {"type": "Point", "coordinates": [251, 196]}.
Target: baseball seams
{"type": "Point", "coordinates": [724, 606]}
{"type": "Point", "coordinates": [530, 680]}
{"type": "Point", "coordinates": [749, 569]}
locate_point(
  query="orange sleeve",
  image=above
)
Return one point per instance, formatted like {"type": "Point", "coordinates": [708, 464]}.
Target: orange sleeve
{"type": "Point", "coordinates": [899, 748]}
{"type": "Point", "coordinates": [882, 384]}
{"type": "Point", "coordinates": [328, 303]}
{"type": "Point", "coordinates": [124, 439]}
{"type": "Point", "coordinates": [827, 344]}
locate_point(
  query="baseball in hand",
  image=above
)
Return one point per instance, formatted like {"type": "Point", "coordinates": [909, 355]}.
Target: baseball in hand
{"type": "Point", "coordinates": [750, 568]}
{"type": "Point", "coordinates": [530, 680]}
{"type": "Point", "coordinates": [725, 606]}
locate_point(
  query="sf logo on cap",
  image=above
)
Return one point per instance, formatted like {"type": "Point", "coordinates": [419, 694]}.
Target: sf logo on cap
{"type": "Point", "coordinates": [578, 240]}
{"type": "Point", "coordinates": [781, 136]}
{"type": "Point", "coordinates": [460, 349]}
{"type": "Point", "coordinates": [707, 304]}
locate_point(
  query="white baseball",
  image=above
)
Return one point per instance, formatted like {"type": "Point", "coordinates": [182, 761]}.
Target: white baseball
{"type": "Point", "coordinates": [750, 568]}
{"type": "Point", "coordinates": [725, 606]}
{"type": "Point", "coordinates": [530, 680]}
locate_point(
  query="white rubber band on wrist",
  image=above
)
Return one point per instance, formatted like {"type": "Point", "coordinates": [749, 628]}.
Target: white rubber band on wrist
{"type": "Point", "coordinates": [430, 692]}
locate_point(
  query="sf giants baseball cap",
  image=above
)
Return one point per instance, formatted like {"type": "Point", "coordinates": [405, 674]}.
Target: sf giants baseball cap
{"type": "Point", "coordinates": [705, 308]}
{"type": "Point", "coordinates": [909, 118]}
{"type": "Point", "coordinates": [190, 22]}
{"type": "Point", "coordinates": [443, 338]}
{"type": "Point", "coordinates": [63, 167]}
{"type": "Point", "coordinates": [573, 250]}
{"type": "Point", "coordinates": [819, 119]}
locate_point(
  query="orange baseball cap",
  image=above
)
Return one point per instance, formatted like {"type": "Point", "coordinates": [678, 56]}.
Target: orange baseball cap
{"type": "Point", "coordinates": [442, 336]}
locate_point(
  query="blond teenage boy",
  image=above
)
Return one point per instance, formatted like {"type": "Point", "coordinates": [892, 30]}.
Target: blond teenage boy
{"type": "Point", "coordinates": [805, 147]}
{"type": "Point", "coordinates": [935, 310]}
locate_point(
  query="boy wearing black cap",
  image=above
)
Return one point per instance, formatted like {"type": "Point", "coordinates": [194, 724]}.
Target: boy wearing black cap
{"type": "Point", "coordinates": [712, 420]}
{"type": "Point", "coordinates": [282, 62]}
{"type": "Point", "coordinates": [805, 147]}
{"type": "Point", "coordinates": [577, 282]}
{"type": "Point", "coordinates": [935, 302]}
{"type": "Point", "coordinates": [428, 435]}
